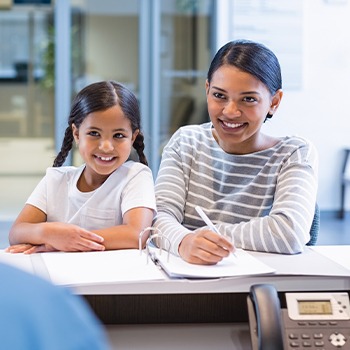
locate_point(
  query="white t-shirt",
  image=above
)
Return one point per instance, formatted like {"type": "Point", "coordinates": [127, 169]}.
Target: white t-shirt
{"type": "Point", "coordinates": [57, 195]}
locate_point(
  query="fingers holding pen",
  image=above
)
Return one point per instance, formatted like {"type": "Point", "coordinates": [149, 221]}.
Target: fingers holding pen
{"type": "Point", "coordinates": [219, 242]}
{"type": "Point", "coordinates": [205, 247]}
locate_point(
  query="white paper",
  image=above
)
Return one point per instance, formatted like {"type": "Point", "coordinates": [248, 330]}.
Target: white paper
{"type": "Point", "coordinates": [86, 268]}
{"type": "Point", "coordinates": [242, 265]}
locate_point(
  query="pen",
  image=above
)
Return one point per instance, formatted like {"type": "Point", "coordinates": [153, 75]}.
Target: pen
{"type": "Point", "coordinates": [208, 222]}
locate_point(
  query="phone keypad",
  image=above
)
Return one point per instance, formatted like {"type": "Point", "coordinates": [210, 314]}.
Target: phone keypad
{"type": "Point", "coordinates": [317, 340]}
{"type": "Point", "coordinates": [316, 335]}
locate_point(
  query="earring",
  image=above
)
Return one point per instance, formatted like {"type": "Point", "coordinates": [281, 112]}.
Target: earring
{"type": "Point", "coordinates": [268, 116]}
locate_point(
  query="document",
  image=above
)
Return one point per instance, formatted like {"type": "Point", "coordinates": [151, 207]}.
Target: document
{"type": "Point", "coordinates": [242, 264]}
{"type": "Point", "coordinates": [92, 268]}
{"type": "Point", "coordinates": [128, 265]}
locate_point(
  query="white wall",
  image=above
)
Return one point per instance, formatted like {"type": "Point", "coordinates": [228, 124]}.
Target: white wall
{"type": "Point", "coordinates": [319, 110]}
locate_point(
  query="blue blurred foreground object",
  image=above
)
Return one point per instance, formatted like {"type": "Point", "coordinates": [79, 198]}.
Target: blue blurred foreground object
{"type": "Point", "coordinates": [37, 315]}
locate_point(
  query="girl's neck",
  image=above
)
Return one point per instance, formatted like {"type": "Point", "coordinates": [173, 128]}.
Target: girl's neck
{"type": "Point", "coordinates": [90, 183]}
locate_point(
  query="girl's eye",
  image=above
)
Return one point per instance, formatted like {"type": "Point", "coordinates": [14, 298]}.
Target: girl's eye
{"type": "Point", "coordinates": [118, 136]}
{"type": "Point", "coordinates": [249, 99]}
{"type": "Point", "coordinates": [93, 133]}
{"type": "Point", "coordinates": [218, 95]}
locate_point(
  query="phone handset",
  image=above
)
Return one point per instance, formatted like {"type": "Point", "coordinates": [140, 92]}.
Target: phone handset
{"type": "Point", "coordinates": [265, 319]}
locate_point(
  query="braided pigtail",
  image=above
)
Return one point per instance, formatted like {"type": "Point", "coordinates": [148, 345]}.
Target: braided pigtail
{"type": "Point", "coordinates": [139, 147]}
{"type": "Point", "coordinates": [67, 145]}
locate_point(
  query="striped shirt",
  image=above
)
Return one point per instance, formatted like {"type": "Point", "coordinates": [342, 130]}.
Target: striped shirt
{"type": "Point", "coordinates": [263, 201]}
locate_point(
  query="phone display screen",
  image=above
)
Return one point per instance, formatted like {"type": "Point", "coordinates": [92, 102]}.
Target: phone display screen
{"type": "Point", "coordinates": [315, 307]}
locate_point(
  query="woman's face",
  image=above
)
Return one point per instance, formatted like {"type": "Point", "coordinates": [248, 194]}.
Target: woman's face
{"type": "Point", "coordinates": [238, 104]}
{"type": "Point", "coordinates": [104, 139]}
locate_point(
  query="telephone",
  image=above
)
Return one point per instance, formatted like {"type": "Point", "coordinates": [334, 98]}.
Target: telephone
{"type": "Point", "coordinates": [313, 320]}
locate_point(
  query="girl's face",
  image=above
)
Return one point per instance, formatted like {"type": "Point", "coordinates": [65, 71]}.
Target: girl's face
{"type": "Point", "coordinates": [238, 104]}
{"type": "Point", "coordinates": [104, 139]}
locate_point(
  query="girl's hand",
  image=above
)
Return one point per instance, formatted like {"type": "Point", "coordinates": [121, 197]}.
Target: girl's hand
{"type": "Point", "coordinates": [29, 248]}
{"type": "Point", "coordinates": [31, 226]}
{"type": "Point", "coordinates": [204, 247]}
{"type": "Point", "coordinates": [70, 238]}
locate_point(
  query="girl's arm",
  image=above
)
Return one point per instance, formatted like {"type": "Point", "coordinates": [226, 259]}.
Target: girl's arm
{"type": "Point", "coordinates": [31, 227]}
{"type": "Point", "coordinates": [126, 236]}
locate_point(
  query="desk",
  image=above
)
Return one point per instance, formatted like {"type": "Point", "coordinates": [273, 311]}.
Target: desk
{"type": "Point", "coordinates": [209, 301]}
{"type": "Point", "coordinates": [201, 314]}
{"type": "Point", "coordinates": [180, 336]}
{"type": "Point", "coordinates": [221, 300]}
{"type": "Point", "coordinates": [221, 336]}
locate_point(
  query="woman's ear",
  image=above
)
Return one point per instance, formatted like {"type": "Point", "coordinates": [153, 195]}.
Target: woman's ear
{"type": "Point", "coordinates": [75, 132]}
{"type": "Point", "coordinates": [275, 102]}
{"type": "Point", "coordinates": [207, 87]}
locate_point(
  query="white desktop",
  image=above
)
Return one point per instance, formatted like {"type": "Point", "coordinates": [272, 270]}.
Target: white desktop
{"type": "Point", "coordinates": [319, 268]}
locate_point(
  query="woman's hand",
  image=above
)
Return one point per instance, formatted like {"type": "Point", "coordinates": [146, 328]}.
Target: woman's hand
{"type": "Point", "coordinates": [204, 247]}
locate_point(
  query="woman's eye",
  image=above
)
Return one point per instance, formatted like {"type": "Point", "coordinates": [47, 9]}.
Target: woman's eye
{"type": "Point", "coordinates": [118, 136]}
{"type": "Point", "coordinates": [218, 95]}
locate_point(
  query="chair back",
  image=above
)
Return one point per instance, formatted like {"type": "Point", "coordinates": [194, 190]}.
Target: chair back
{"type": "Point", "coordinates": [315, 227]}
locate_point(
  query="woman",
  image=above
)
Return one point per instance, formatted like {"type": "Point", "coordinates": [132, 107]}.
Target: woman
{"type": "Point", "coordinates": [258, 190]}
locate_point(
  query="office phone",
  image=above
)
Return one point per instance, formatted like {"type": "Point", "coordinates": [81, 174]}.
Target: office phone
{"type": "Point", "coordinates": [312, 320]}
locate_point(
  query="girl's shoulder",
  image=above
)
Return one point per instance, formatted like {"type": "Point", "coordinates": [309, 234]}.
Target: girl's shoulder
{"type": "Point", "coordinates": [131, 168]}
{"type": "Point", "coordinates": [67, 172]}
{"type": "Point", "coordinates": [131, 164]}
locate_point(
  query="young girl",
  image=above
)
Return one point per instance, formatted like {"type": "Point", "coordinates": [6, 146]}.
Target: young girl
{"type": "Point", "coordinates": [258, 190]}
{"type": "Point", "coordinates": [106, 202]}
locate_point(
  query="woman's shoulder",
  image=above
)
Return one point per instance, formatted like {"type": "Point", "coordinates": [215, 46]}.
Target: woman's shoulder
{"type": "Point", "coordinates": [297, 142]}
{"type": "Point", "coordinates": [201, 129]}
{"type": "Point", "coordinates": [193, 134]}
{"type": "Point", "coordinates": [301, 147]}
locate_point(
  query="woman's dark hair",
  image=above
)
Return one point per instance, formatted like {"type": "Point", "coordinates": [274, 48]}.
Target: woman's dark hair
{"type": "Point", "coordinates": [99, 97]}
{"type": "Point", "coordinates": [250, 57]}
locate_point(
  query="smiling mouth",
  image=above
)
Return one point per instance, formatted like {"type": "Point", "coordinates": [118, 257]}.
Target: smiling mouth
{"type": "Point", "coordinates": [232, 125]}
{"type": "Point", "coordinates": [105, 159]}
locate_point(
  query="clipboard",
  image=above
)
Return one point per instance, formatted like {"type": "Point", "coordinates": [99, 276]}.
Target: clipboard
{"type": "Point", "coordinates": [149, 263]}
{"type": "Point", "coordinates": [242, 264]}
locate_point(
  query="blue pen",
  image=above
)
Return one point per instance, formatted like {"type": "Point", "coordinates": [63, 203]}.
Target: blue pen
{"type": "Point", "coordinates": [208, 222]}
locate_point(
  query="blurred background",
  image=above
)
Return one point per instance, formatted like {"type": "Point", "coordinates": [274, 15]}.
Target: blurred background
{"type": "Point", "coordinates": [161, 49]}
